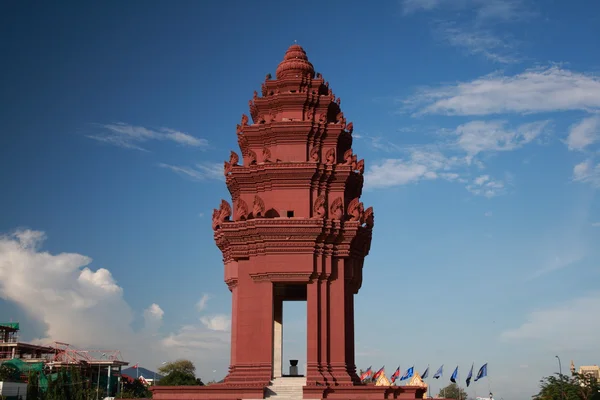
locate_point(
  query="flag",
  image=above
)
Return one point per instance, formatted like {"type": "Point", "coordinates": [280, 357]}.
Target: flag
{"type": "Point", "coordinates": [395, 375]}
{"type": "Point", "coordinates": [482, 372]}
{"type": "Point", "coordinates": [439, 372]}
{"type": "Point", "coordinates": [366, 374]}
{"type": "Point", "coordinates": [378, 372]}
{"type": "Point", "coordinates": [135, 366]}
{"type": "Point", "coordinates": [425, 373]}
{"type": "Point", "coordinates": [470, 375]}
{"type": "Point", "coordinates": [408, 373]}
{"type": "Point", "coordinates": [454, 375]}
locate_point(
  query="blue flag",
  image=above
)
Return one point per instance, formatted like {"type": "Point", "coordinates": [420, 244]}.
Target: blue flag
{"type": "Point", "coordinates": [408, 373]}
{"type": "Point", "coordinates": [482, 372]}
{"type": "Point", "coordinates": [470, 375]}
{"type": "Point", "coordinates": [439, 372]}
{"type": "Point", "coordinates": [425, 373]}
{"type": "Point", "coordinates": [454, 375]}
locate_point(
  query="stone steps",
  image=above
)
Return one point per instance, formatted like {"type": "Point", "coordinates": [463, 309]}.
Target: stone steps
{"type": "Point", "coordinates": [285, 389]}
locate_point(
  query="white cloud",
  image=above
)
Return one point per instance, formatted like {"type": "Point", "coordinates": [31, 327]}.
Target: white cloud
{"type": "Point", "coordinates": [418, 166]}
{"type": "Point", "coordinates": [586, 172]}
{"type": "Point", "coordinates": [488, 214]}
{"type": "Point", "coordinates": [129, 136]}
{"type": "Point", "coordinates": [568, 326]}
{"type": "Point", "coordinates": [219, 322]}
{"type": "Point", "coordinates": [58, 289]}
{"type": "Point", "coordinates": [504, 10]}
{"type": "Point", "coordinates": [200, 172]}
{"type": "Point", "coordinates": [535, 90]}
{"type": "Point", "coordinates": [584, 133]}
{"type": "Point", "coordinates": [478, 136]}
{"type": "Point", "coordinates": [201, 304]}
{"type": "Point", "coordinates": [477, 41]}
{"type": "Point", "coordinates": [485, 186]}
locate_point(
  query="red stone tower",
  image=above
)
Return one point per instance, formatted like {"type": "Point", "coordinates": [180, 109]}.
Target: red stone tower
{"type": "Point", "coordinates": [296, 230]}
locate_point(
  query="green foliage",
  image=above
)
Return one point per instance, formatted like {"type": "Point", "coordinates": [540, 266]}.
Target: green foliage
{"type": "Point", "coordinates": [9, 373]}
{"type": "Point", "coordinates": [453, 391]}
{"type": "Point", "coordinates": [135, 390]}
{"type": "Point", "coordinates": [185, 366]}
{"type": "Point", "coordinates": [178, 378]}
{"type": "Point", "coordinates": [562, 387]}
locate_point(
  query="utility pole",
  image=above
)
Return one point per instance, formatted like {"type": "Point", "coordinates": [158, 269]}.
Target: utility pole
{"type": "Point", "coordinates": [560, 376]}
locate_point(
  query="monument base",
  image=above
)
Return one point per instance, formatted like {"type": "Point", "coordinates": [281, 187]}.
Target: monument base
{"type": "Point", "coordinates": [230, 392]}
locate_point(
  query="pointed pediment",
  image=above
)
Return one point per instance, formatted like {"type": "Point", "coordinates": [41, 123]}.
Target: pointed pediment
{"type": "Point", "coordinates": [416, 381]}
{"type": "Point", "coordinates": [383, 380]}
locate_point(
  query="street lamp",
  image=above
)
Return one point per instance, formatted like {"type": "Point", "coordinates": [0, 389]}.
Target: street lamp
{"type": "Point", "coordinates": [562, 390]}
{"type": "Point", "coordinates": [154, 380]}
{"type": "Point", "coordinates": [98, 385]}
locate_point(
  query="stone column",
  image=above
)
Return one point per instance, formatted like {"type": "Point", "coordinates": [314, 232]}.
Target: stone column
{"type": "Point", "coordinates": [338, 307]}
{"type": "Point", "coordinates": [313, 325]}
{"type": "Point", "coordinates": [108, 383]}
{"type": "Point", "coordinates": [277, 337]}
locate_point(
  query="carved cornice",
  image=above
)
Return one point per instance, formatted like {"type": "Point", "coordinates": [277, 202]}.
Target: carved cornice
{"type": "Point", "coordinates": [282, 277]}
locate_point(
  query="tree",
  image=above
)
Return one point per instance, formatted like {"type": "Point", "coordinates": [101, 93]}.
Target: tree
{"type": "Point", "coordinates": [453, 391]}
{"type": "Point", "coordinates": [9, 373]}
{"type": "Point", "coordinates": [178, 378]}
{"type": "Point", "coordinates": [135, 390]}
{"type": "Point", "coordinates": [185, 366]}
{"type": "Point", "coordinates": [562, 387]}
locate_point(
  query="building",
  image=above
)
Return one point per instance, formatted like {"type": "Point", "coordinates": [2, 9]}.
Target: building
{"type": "Point", "coordinates": [590, 370]}
{"type": "Point", "coordinates": [102, 368]}
{"type": "Point", "coordinates": [296, 231]}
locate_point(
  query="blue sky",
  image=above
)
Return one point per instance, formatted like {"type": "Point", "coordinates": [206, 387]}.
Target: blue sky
{"type": "Point", "coordinates": [478, 121]}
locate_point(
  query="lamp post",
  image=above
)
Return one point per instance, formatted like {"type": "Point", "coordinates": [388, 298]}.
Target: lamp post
{"type": "Point", "coordinates": [154, 379]}
{"type": "Point", "coordinates": [562, 391]}
{"type": "Point", "coordinates": [98, 385]}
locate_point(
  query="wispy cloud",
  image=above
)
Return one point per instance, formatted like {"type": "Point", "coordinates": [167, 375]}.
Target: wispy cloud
{"type": "Point", "coordinates": [130, 136]}
{"type": "Point", "coordinates": [587, 172]}
{"type": "Point", "coordinates": [472, 26]}
{"type": "Point", "coordinates": [478, 41]}
{"type": "Point", "coordinates": [485, 186]}
{"type": "Point", "coordinates": [536, 90]}
{"type": "Point", "coordinates": [584, 133]}
{"type": "Point", "coordinates": [567, 326]}
{"type": "Point", "coordinates": [199, 172]}
{"type": "Point", "coordinates": [201, 304]}
{"type": "Point", "coordinates": [480, 136]}
{"type": "Point", "coordinates": [419, 165]}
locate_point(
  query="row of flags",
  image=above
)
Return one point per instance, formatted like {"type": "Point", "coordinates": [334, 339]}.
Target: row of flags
{"type": "Point", "coordinates": [410, 372]}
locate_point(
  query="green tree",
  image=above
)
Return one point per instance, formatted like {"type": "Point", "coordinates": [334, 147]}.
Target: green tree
{"type": "Point", "coordinates": [33, 386]}
{"type": "Point", "coordinates": [178, 378]}
{"type": "Point", "coordinates": [135, 390]}
{"type": "Point", "coordinates": [185, 366]}
{"type": "Point", "coordinates": [453, 391]}
{"type": "Point", "coordinates": [574, 387]}
{"type": "Point", "coordinates": [9, 373]}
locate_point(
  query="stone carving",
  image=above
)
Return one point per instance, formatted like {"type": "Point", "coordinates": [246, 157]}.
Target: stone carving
{"type": "Point", "coordinates": [360, 166]}
{"type": "Point", "coordinates": [268, 77]}
{"type": "Point", "coordinates": [245, 120]}
{"type": "Point", "coordinates": [322, 118]}
{"type": "Point", "coordinates": [339, 118]}
{"type": "Point", "coordinates": [350, 127]}
{"type": "Point", "coordinates": [369, 217]}
{"type": "Point", "coordinates": [319, 76]}
{"type": "Point", "coordinates": [330, 156]}
{"type": "Point", "coordinates": [330, 93]}
{"type": "Point", "coordinates": [327, 84]}
{"type": "Point", "coordinates": [314, 153]}
{"type": "Point", "coordinates": [221, 215]}
{"type": "Point", "coordinates": [241, 210]}
{"type": "Point", "coordinates": [273, 116]}
{"type": "Point", "coordinates": [355, 210]}
{"type": "Point", "coordinates": [255, 95]}
{"type": "Point", "coordinates": [310, 113]}
{"type": "Point", "coordinates": [259, 207]}
{"type": "Point", "coordinates": [339, 101]}
{"type": "Point", "coordinates": [319, 208]}
{"type": "Point", "coordinates": [243, 143]}
{"type": "Point", "coordinates": [263, 90]}
{"type": "Point", "coordinates": [350, 159]}
{"type": "Point", "coordinates": [233, 158]}
{"type": "Point", "coordinates": [266, 153]}
{"type": "Point", "coordinates": [251, 155]}
{"type": "Point", "coordinates": [336, 211]}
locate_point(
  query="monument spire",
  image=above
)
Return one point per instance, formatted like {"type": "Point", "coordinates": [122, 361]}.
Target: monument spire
{"type": "Point", "coordinates": [294, 230]}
